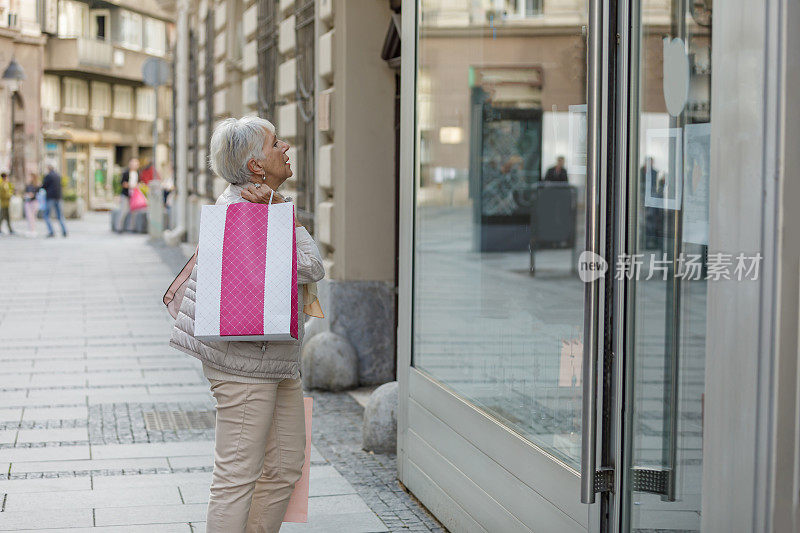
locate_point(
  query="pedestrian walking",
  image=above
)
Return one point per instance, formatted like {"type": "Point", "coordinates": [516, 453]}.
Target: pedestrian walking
{"type": "Point", "coordinates": [130, 179]}
{"type": "Point", "coordinates": [31, 203]}
{"type": "Point", "coordinates": [6, 192]}
{"type": "Point", "coordinates": [260, 429]}
{"type": "Point", "coordinates": [52, 186]}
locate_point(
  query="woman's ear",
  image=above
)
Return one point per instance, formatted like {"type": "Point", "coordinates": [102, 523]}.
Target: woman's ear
{"type": "Point", "coordinates": [254, 167]}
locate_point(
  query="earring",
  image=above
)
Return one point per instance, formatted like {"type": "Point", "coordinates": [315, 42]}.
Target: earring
{"type": "Point", "coordinates": [264, 177]}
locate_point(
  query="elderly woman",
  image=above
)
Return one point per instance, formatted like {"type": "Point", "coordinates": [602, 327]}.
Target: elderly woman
{"type": "Point", "coordinates": [260, 430]}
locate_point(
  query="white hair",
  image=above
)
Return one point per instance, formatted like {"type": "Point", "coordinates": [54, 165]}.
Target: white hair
{"type": "Point", "coordinates": [234, 143]}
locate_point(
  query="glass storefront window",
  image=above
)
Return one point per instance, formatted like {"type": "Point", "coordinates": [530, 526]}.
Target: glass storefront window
{"type": "Point", "coordinates": [501, 130]}
{"type": "Point", "coordinates": [74, 175]}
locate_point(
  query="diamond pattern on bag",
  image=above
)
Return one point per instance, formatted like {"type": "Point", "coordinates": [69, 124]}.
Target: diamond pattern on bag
{"type": "Point", "coordinates": [243, 263]}
{"type": "Point", "coordinates": [243, 276]}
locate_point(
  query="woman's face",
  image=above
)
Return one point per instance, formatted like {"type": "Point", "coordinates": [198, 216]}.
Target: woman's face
{"type": "Point", "coordinates": [274, 163]}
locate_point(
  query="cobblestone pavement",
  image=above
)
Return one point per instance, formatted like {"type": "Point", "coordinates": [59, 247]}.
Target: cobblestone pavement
{"type": "Point", "coordinates": [336, 432]}
{"type": "Point", "coordinates": [104, 428]}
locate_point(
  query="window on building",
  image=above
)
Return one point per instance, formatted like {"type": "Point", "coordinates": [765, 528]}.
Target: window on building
{"type": "Point", "coordinates": [193, 161]}
{"type": "Point", "coordinates": [73, 19]}
{"type": "Point", "coordinates": [76, 96]}
{"type": "Point", "coordinates": [130, 30]}
{"type": "Point", "coordinates": [155, 36]}
{"type": "Point", "coordinates": [522, 8]}
{"type": "Point", "coordinates": [101, 99]}
{"type": "Point", "coordinates": [145, 103]}
{"type": "Point", "coordinates": [123, 101]}
{"type": "Point", "coordinates": [99, 24]}
{"type": "Point", "coordinates": [267, 55]}
{"type": "Point", "coordinates": [51, 93]}
{"type": "Point", "coordinates": [48, 16]}
{"type": "Point", "coordinates": [304, 30]}
{"type": "Point", "coordinates": [209, 96]}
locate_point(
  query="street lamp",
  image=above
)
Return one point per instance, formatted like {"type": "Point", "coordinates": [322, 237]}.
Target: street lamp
{"type": "Point", "coordinates": [12, 75]}
{"type": "Point", "coordinates": [14, 72]}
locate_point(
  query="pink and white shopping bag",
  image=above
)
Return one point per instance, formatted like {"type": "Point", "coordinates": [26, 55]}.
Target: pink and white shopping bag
{"type": "Point", "coordinates": [246, 273]}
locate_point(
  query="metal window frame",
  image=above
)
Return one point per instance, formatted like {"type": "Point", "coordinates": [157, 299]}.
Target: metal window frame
{"type": "Point", "coordinates": [419, 393]}
{"type": "Point", "coordinates": [305, 39]}
{"type": "Point", "coordinates": [267, 41]}
{"type": "Point", "coordinates": [194, 165]}
{"type": "Point", "coordinates": [209, 96]}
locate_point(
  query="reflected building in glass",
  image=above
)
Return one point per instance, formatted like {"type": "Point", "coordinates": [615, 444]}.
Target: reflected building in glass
{"type": "Point", "coordinates": [498, 308]}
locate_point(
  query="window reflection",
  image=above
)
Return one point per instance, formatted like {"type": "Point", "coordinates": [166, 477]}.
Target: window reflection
{"type": "Point", "coordinates": [501, 124]}
{"type": "Point", "coordinates": [669, 317]}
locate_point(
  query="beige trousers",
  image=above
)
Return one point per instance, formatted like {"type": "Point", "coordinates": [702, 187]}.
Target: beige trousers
{"type": "Point", "coordinates": [259, 454]}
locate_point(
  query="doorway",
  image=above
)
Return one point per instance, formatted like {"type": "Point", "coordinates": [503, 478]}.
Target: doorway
{"type": "Point", "coordinates": [669, 153]}
{"type": "Point", "coordinates": [101, 189]}
{"type": "Point", "coordinates": [651, 347]}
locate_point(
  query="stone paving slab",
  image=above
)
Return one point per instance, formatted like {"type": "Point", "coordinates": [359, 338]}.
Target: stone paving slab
{"type": "Point", "coordinates": [195, 461]}
{"type": "Point", "coordinates": [152, 480]}
{"type": "Point", "coordinates": [10, 414]}
{"type": "Point", "coordinates": [56, 484]}
{"type": "Point", "coordinates": [51, 453]}
{"type": "Point", "coordinates": [149, 528]}
{"type": "Point", "coordinates": [195, 492]}
{"type": "Point", "coordinates": [89, 465]}
{"type": "Point", "coordinates": [150, 514]}
{"type": "Point", "coordinates": [143, 397]}
{"type": "Point", "coordinates": [53, 435]}
{"type": "Point", "coordinates": [158, 449]}
{"type": "Point", "coordinates": [365, 522]}
{"type": "Point", "coordinates": [93, 499]}
{"type": "Point", "coordinates": [15, 366]}
{"type": "Point", "coordinates": [55, 413]}
{"type": "Point", "coordinates": [63, 519]}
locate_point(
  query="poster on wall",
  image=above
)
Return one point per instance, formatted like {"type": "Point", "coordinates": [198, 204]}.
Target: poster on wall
{"type": "Point", "coordinates": [696, 181]}
{"type": "Point", "coordinates": [577, 139]}
{"type": "Point", "coordinates": [510, 158]}
{"type": "Point", "coordinates": [663, 165]}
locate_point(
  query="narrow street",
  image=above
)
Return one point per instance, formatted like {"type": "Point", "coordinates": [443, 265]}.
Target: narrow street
{"type": "Point", "coordinates": [104, 427]}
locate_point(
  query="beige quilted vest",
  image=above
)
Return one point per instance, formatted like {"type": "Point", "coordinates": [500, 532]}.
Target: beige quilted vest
{"type": "Point", "coordinates": [273, 359]}
{"type": "Point", "coordinates": [243, 358]}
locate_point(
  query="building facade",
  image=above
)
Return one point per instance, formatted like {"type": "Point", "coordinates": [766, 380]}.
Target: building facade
{"type": "Point", "coordinates": [97, 111]}
{"type": "Point", "coordinates": [584, 213]}
{"type": "Point", "coordinates": [615, 350]}
{"type": "Point", "coordinates": [21, 41]}
{"type": "Point", "coordinates": [314, 69]}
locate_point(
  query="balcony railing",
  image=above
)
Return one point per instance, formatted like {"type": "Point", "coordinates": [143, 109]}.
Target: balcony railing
{"type": "Point", "coordinates": [94, 53]}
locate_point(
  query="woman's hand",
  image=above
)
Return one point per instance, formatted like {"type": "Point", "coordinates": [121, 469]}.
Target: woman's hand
{"type": "Point", "coordinates": [260, 195]}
